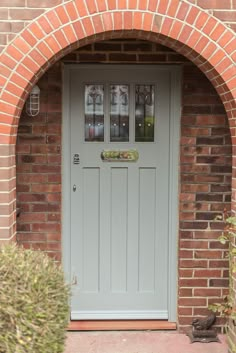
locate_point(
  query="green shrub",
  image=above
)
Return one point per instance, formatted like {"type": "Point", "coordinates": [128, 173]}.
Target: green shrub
{"type": "Point", "coordinates": [34, 302]}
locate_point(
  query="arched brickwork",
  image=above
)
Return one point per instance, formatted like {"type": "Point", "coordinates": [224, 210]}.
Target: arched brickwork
{"type": "Point", "coordinates": [183, 27]}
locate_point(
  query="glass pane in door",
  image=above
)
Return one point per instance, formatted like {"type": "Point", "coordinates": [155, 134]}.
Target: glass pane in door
{"type": "Point", "coordinates": [94, 112]}
{"type": "Point", "coordinates": [144, 113]}
{"type": "Point", "coordinates": [119, 113]}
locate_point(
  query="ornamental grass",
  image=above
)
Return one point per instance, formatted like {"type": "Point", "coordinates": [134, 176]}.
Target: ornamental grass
{"type": "Point", "coordinates": [34, 302]}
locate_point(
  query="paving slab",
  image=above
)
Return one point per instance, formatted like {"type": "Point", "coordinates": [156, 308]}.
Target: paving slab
{"type": "Point", "coordinates": [139, 342]}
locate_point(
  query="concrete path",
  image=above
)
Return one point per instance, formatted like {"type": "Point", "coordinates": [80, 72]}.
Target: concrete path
{"type": "Point", "coordinates": [138, 342]}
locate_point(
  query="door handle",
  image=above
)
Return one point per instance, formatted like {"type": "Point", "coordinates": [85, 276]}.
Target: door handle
{"type": "Point", "coordinates": [74, 188]}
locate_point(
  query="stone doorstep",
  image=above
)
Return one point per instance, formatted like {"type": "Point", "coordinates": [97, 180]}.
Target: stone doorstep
{"type": "Point", "coordinates": [138, 342]}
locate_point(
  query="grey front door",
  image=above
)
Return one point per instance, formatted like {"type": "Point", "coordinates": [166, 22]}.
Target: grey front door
{"type": "Point", "coordinates": [119, 143]}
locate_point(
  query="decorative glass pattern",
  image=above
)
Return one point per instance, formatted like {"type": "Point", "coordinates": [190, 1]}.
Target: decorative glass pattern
{"type": "Point", "coordinates": [144, 113]}
{"type": "Point", "coordinates": [119, 113]}
{"type": "Point", "coordinates": [94, 112]}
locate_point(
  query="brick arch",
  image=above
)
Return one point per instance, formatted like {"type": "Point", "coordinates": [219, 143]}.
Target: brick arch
{"type": "Point", "coordinates": [184, 27]}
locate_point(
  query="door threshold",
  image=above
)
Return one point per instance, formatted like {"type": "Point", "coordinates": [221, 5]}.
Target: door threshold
{"type": "Point", "coordinates": [119, 325]}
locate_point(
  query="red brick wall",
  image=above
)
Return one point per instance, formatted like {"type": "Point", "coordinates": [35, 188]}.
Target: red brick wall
{"type": "Point", "coordinates": [16, 14]}
{"type": "Point", "coordinates": [39, 170]}
{"type": "Point", "coordinates": [205, 188]}
{"type": "Point", "coordinates": [205, 171]}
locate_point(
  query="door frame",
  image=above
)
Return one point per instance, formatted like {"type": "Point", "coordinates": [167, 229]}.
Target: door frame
{"type": "Point", "coordinates": [175, 113]}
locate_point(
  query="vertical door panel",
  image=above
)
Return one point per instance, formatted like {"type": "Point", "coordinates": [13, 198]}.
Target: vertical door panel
{"type": "Point", "coordinates": [119, 222]}
{"type": "Point", "coordinates": [147, 229]}
{"type": "Point", "coordinates": [91, 229]}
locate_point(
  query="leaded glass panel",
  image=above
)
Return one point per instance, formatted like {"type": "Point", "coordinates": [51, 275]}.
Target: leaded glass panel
{"type": "Point", "coordinates": [94, 112]}
{"type": "Point", "coordinates": [119, 113]}
{"type": "Point", "coordinates": [144, 113]}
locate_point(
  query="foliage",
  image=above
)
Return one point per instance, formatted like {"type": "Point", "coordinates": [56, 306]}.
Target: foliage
{"type": "Point", "coordinates": [226, 308]}
{"type": "Point", "coordinates": [228, 235]}
{"type": "Point", "coordinates": [34, 299]}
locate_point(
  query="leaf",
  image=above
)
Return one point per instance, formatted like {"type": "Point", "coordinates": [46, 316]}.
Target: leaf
{"type": "Point", "coordinates": [231, 220]}
{"type": "Point", "coordinates": [223, 239]}
{"type": "Point", "coordinates": [213, 307]}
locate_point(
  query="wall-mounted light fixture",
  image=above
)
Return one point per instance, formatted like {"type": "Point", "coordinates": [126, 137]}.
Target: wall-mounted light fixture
{"type": "Point", "coordinates": [33, 102]}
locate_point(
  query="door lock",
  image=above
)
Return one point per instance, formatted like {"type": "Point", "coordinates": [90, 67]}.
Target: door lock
{"type": "Point", "coordinates": [74, 187]}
